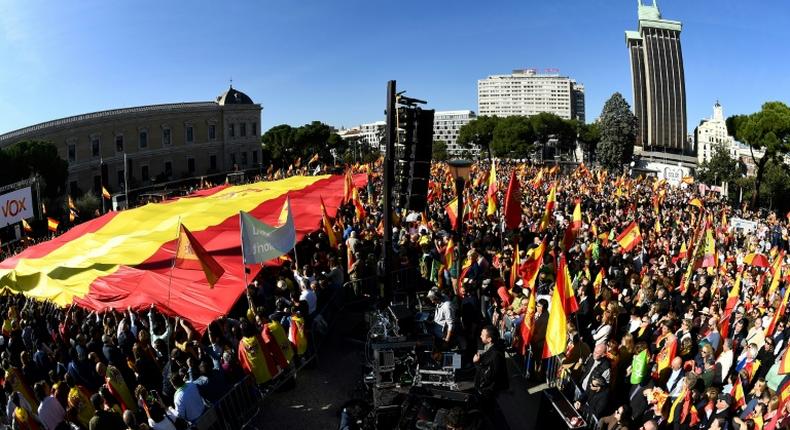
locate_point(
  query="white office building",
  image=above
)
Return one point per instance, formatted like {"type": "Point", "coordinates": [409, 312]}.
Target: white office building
{"type": "Point", "coordinates": [371, 134]}
{"type": "Point", "coordinates": [527, 92]}
{"type": "Point", "coordinates": [447, 124]}
{"type": "Point", "coordinates": [712, 132]}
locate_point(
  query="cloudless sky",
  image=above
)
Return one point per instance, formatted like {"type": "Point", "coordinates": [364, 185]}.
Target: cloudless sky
{"type": "Point", "coordinates": [329, 60]}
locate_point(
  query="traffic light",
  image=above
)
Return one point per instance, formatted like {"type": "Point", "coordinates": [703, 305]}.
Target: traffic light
{"type": "Point", "coordinates": [413, 167]}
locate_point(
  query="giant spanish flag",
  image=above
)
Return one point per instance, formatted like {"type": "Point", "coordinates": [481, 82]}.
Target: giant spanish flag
{"type": "Point", "coordinates": [492, 190]}
{"type": "Point", "coordinates": [124, 258]}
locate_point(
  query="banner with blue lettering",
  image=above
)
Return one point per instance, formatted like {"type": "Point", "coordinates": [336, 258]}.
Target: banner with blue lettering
{"type": "Point", "coordinates": [261, 242]}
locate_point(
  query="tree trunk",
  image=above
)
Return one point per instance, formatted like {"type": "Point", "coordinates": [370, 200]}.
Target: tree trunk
{"type": "Point", "coordinates": [758, 180]}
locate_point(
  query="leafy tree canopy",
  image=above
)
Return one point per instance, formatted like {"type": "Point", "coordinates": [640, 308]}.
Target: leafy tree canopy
{"type": "Point", "coordinates": [618, 127]}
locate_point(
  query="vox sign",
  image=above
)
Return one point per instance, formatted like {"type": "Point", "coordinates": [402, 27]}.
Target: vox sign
{"type": "Point", "coordinates": [15, 206]}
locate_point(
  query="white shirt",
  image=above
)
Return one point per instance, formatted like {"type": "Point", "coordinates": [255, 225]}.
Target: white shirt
{"type": "Point", "coordinates": [51, 413]}
{"type": "Point", "coordinates": [725, 359]}
{"type": "Point", "coordinates": [309, 296]}
{"type": "Point", "coordinates": [444, 316]}
{"type": "Point", "coordinates": [678, 380]}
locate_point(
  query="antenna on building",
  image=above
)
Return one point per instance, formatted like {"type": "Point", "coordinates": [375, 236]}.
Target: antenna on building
{"type": "Point", "coordinates": [231, 81]}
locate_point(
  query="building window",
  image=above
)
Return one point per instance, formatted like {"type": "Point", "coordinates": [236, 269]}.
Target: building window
{"type": "Point", "coordinates": [166, 136]}
{"type": "Point", "coordinates": [143, 139]}
{"type": "Point", "coordinates": [168, 168]}
{"type": "Point", "coordinates": [243, 129]}
{"type": "Point", "coordinates": [191, 165]}
{"type": "Point", "coordinates": [119, 143]}
{"type": "Point", "coordinates": [212, 132]}
{"type": "Point", "coordinates": [72, 152]}
{"type": "Point", "coordinates": [255, 157]}
{"type": "Point", "coordinates": [232, 130]}
{"type": "Point", "coordinates": [233, 159]}
{"type": "Point", "coordinates": [254, 128]}
{"type": "Point", "coordinates": [120, 179]}
{"type": "Point", "coordinates": [212, 162]}
{"type": "Point", "coordinates": [95, 147]}
{"type": "Point", "coordinates": [144, 173]}
{"type": "Point", "coordinates": [244, 158]}
{"type": "Point", "coordinates": [190, 132]}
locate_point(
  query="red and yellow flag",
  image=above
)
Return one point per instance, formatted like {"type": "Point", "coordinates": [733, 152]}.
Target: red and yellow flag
{"type": "Point", "coordinates": [492, 190]}
{"type": "Point", "coordinates": [630, 237]}
{"type": "Point", "coordinates": [105, 193]}
{"type": "Point", "coordinates": [571, 305]}
{"type": "Point", "coordinates": [556, 330]}
{"type": "Point", "coordinates": [327, 226]}
{"type": "Point", "coordinates": [71, 203]}
{"type": "Point", "coordinates": [515, 267]}
{"type": "Point", "coordinates": [769, 331]}
{"type": "Point", "coordinates": [784, 363]}
{"type": "Point", "coordinates": [358, 207]}
{"type": "Point", "coordinates": [548, 213]}
{"type": "Point", "coordinates": [452, 212]}
{"type": "Point", "coordinates": [26, 226]}
{"type": "Point", "coordinates": [531, 266]}
{"type": "Point", "coordinates": [738, 398]}
{"type": "Point", "coordinates": [348, 186]}
{"type": "Point", "coordinates": [191, 255]}
{"type": "Point", "coordinates": [776, 273]}
{"type": "Point", "coordinates": [449, 254]}
{"type": "Point", "coordinates": [666, 354]}
{"type": "Point", "coordinates": [52, 224]}
{"type": "Point", "coordinates": [598, 282]}
{"type": "Point", "coordinates": [525, 331]}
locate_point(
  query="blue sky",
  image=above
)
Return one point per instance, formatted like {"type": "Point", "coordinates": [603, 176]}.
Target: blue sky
{"type": "Point", "coordinates": [328, 60]}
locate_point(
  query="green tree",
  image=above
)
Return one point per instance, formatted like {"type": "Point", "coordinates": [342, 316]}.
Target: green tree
{"type": "Point", "coordinates": [776, 185]}
{"type": "Point", "coordinates": [720, 168]}
{"type": "Point", "coordinates": [478, 132]}
{"type": "Point", "coordinates": [439, 150]}
{"type": "Point", "coordinates": [514, 137]}
{"type": "Point", "coordinates": [283, 144]}
{"type": "Point", "coordinates": [767, 130]}
{"type": "Point", "coordinates": [618, 133]}
{"type": "Point", "coordinates": [549, 126]}
{"type": "Point", "coordinates": [28, 158]}
{"type": "Point", "coordinates": [87, 204]}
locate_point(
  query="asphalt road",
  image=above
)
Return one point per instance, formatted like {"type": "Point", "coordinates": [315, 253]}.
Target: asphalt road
{"type": "Point", "coordinates": [321, 388]}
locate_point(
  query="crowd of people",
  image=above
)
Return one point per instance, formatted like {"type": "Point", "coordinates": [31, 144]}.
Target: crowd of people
{"type": "Point", "coordinates": [679, 329]}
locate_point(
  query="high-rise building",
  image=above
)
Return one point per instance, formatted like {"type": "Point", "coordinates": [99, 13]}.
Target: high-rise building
{"type": "Point", "coordinates": [446, 125]}
{"type": "Point", "coordinates": [658, 83]}
{"type": "Point", "coordinates": [527, 92]}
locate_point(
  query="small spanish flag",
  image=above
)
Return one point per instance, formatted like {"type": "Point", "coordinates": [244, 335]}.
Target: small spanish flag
{"type": "Point", "coordinates": [688, 180]}
{"type": "Point", "coordinates": [71, 204]}
{"type": "Point", "coordinates": [696, 202]}
{"type": "Point", "coordinates": [26, 226]}
{"type": "Point", "coordinates": [630, 237]}
{"type": "Point", "coordinates": [52, 224]}
{"type": "Point", "coordinates": [191, 255]}
{"type": "Point", "coordinates": [105, 193]}
{"type": "Point", "coordinates": [72, 215]}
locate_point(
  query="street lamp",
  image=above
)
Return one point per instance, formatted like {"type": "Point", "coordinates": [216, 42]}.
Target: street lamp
{"type": "Point", "coordinates": [460, 171]}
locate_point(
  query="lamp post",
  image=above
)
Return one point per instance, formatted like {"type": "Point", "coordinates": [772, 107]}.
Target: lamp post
{"type": "Point", "coordinates": [460, 171]}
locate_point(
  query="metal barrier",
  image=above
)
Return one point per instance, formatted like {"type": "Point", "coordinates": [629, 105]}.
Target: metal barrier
{"type": "Point", "coordinates": [235, 409]}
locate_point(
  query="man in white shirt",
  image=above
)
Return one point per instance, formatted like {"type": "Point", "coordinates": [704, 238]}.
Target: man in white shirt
{"type": "Point", "coordinates": [444, 316]}
{"type": "Point", "coordinates": [676, 381]}
{"type": "Point", "coordinates": [726, 358]}
{"type": "Point", "coordinates": [308, 295]}
{"type": "Point", "coordinates": [50, 412]}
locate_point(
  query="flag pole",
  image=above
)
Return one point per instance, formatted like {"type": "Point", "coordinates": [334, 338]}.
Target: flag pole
{"type": "Point", "coordinates": [241, 239]}
{"type": "Point", "coordinates": [175, 255]}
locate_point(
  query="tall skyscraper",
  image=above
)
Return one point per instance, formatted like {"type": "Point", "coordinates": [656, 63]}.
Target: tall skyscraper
{"type": "Point", "coordinates": [659, 82]}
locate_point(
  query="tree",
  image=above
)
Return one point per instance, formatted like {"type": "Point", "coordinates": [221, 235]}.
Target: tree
{"type": "Point", "coordinates": [776, 185]}
{"type": "Point", "coordinates": [28, 158]}
{"type": "Point", "coordinates": [284, 144]}
{"type": "Point", "coordinates": [720, 168]}
{"type": "Point", "coordinates": [87, 205]}
{"type": "Point", "coordinates": [439, 150]}
{"type": "Point", "coordinates": [478, 132]}
{"type": "Point", "coordinates": [514, 137]}
{"type": "Point", "coordinates": [618, 133]}
{"type": "Point", "coordinates": [767, 130]}
{"type": "Point", "coordinates": [550, 126]}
